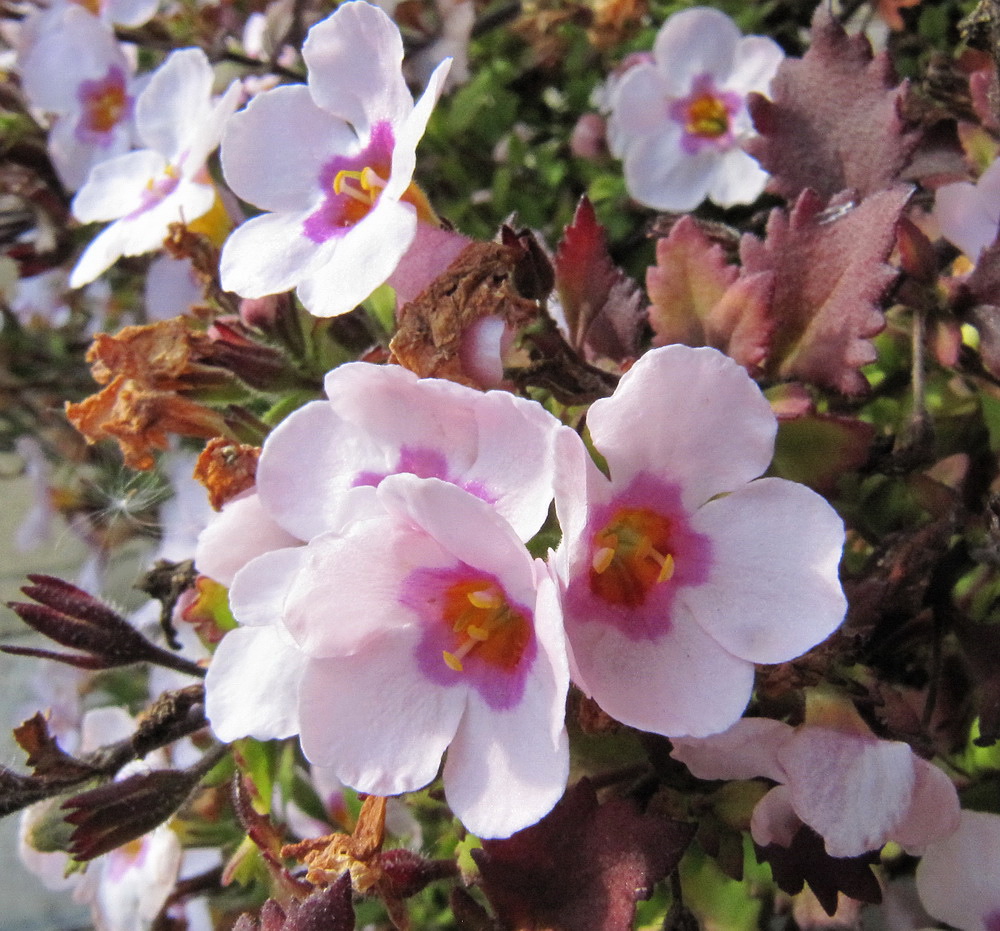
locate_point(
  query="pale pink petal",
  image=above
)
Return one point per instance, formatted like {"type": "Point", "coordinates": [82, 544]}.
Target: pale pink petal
{"type": "Point", "coordinates": [695, 42]}
{"type": "Point", "coordinates": [370, 560]}
{"type": "Point", "coordinates": [266, 255]}
{"type": "Point", "coordinates": [409, 132]}
{"type": "Point", "coordinates": [755, 62]}
{"type": "Point", "coordinates": [376, 719]}
{"type": "Point", "coordinates": [958, 879]}
{"type": "Point", "coordinates": [296, 134]}
{"type": "Point", "coordinates": [447, 514]}
{"type": "Point", "coordinates": [252, 686]}
{"type": "Point", "coordinates": [660, 175]}
{"type": "Point", "coordinates": [115, 187]}
{"type": "Point", "coordinates": [933, 813]}
{"type": "Point", "coordinates": [737, 179]}
{"type": "Point", "coordinates": [131, 12]}
{"type": "Point", "coordinates": [75, 160]}
{"type": "Point", "coordinates": [363, 259]}
{"type": "Point", "coordinates": [747, 750]}
{"type": "Point", "coordinates": [172, 288]}
{"type": "Point", "coordinates": [691, 416]}
{"type": "Point", "coordinates": [175, 99]}
{"type": "Point", "coordinates": [135, 884]}
{"type": "Point", "coordinates": [258, 593]}
{"type": "Point", "coordinates": [104, 250]}
{"type": "Point", "coordinates": [968, 217]}
{"type": "Point", "coordinates": [355, 66]}
{"type": "Point", "coordinates": [83, 48]}
{"type": "Point", "coordinates": [852, 790]}
{"type": "Point", "coordinates": [773, 589]}
{"type": "Point", "coordinates": [310, 460]}
{"type": "Point", "coordinates": [242, 531]}
{"type": "Point", "coordinates": [639, 106]}
{"type": "Point", "coordinates": [682, 685]}
{"type": "Point", "coordinates": [774, 820]}
{"type": "Point", "coordinates": [205, 134]}
{"type": "Point", "coordinates": [506, 769]}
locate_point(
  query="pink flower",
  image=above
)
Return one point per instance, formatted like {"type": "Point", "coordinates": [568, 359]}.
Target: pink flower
{"type": "Point", "coordinates": [79, 73]}
{"type": "Point", "coordinates": [854, 790]}
{"type": "Point", "coordinates": [450, 638]}
{"type": "Point", "coordinates": [679, 571]}
{"type": "Point", "coordinates": [380, 420]}
{"type": "Point", "coordinates": [677, 122]}
{"type": "Point", "coordinates": [332, 162]}
{"type": "Point", "coordinates": [958, 879]}
{"type": "Point", "coordinates": [144, 191]}
{"type": "Point", "coordinates": [968, 214]}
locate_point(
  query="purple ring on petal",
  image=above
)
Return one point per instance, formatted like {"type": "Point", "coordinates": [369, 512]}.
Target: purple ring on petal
{"type": "Point", "coordinates": [706, 115]}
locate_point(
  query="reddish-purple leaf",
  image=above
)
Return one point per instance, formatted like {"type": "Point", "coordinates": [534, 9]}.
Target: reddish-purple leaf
{"type": "Point", "coordinates": [583, 867]}
{"type": "Point", "coordinates": [327, 909]}
{"type": "Point", "coordinates": [830, 273]}
{"type": "Point", "coordinates": [834, 121]}
{"type": "Point", "coordinates": [601, 304]}
{"type": "Point", "coordinates": [697, 298]}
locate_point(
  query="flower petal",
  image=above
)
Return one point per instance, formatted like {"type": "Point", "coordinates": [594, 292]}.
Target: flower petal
{"type": "Point", "coordinates": [660, 175]}
{"type": "Point", "coordinates": [266, 255]}
{"type": "Point", "coordinates": [850, 789]}
{"type": "Point", "coordinates": [241, 532]}
{"type": "Point", "coordinates": [774, 820]}
{"type": "Point", "coordinates": [176, 99]}
{"type": "Point", "coordinates": [737, 179]}
{"type": "Point", "coordinates": [747, 750]}
{"type": "Point", "coordinates": [755, 62]}
{"type": "Point", "coordinates": [294, 133]}
{"type": "Point", "coordinates": [506, 769]}
{"type": "Point", "coordinates": [682, 685]}
{"type": "Point", "coordinates": [695, 42]}
{"type": "Point", "coordinates": [773, 589]}
{"type": "Point", "coordinates": [259, 590]}
{"type": "Point", "coordinates": [355, 61]}
{"type": "Point", "coordinates": [252, 685]}
{"type": "Point", "coordinates": [376, 719]}
{"type": "Point", "coordinates": [638, 106]}
{"type": "Point", "coordinates": [115, 187]}
{"type": "Point", "coordinates": [958, 879]}
{"type": "Point", "coordinates": [336, 282]}
{"type": "Point", "coordinates": [933, 813]}
{"type": "Point", "coordinates": [704, 424]}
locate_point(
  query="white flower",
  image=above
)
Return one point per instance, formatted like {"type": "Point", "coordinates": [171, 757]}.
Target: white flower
{"type": "Point", "coordinates": [968, 214]}
{"type": "Point", "coordinates": [79, 73]}
{"type": "Point", "coordinates": [677, 122]}
{"type": "Point", "coordinates": [332, 161]}
{"type": "Point", "coordinates": [147, 190]}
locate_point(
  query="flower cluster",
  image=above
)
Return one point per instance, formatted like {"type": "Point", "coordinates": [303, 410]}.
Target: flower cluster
{"type": "Point", "coordinates": [540, 544]}
{"type": "Point", "coordinates": [417, 496]}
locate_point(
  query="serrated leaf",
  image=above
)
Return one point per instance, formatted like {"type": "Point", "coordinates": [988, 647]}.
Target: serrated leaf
{"type": "Point", "coordinates": [834, 121]}
{"type": "Point", "coordinates": [583, 867]}
{"type": "Point", "coordinates": [601, 304]}
{"type": "Point", "coordinates": [830, 272]}
{"type": "Point", "coordinates": [697, 298]}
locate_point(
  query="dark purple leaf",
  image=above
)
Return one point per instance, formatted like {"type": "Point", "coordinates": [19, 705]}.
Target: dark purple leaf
{"type": "Point", "coordinates": [830, 273]}
{"type": "Point", "coordinates": [806, 861]}
{"type": "Point", "coordinates": [583, 867]}
{"type": "Point", "coordinates": [601, 304]}
{"type": "Point", "coordinates": [834, 121]}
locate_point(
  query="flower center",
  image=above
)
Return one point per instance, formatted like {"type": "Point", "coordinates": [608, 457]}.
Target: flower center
{"type": "Point", "coordinates": [484, 624]}
{"type": "Point", "coordinates": [630, 556]}
{"type": "Point", "coordinates": [105, 103]}
{"type": "Point", "coordinates": [707, 116]}
{"type": "Point", "coordinates": [362, 188]}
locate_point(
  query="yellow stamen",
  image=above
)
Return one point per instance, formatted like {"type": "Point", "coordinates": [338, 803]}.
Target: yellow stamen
{"type": "Point", "coordinates": [487, 598]}
{"type": "Point", "coordinates": [666, 568]}
{"type": "Point", "coordinates": [603, 558]}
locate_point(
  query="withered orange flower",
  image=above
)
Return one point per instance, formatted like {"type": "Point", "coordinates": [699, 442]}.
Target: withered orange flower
{"type": "Point", "coordinates": [144, 369]}
{"type": "Point", "coordinates": [888, 12]}
{"type": "Point", "coordinates": [226, 469]}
